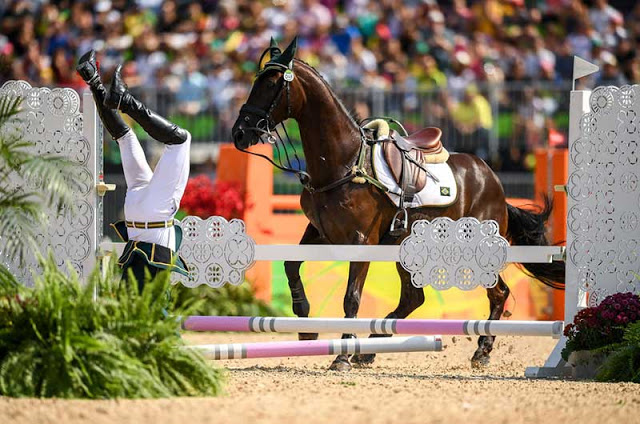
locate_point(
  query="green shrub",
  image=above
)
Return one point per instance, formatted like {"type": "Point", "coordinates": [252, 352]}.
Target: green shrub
{"type": "Point", "coordinates": [623, 363]}
{"type": "Point", "coordinates": [225, 301]}
{"type": "Point", "coordinates": [56, 340]}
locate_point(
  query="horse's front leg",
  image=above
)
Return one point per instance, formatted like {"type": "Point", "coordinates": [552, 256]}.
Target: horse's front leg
{"type": "Point", "coordinates": [357, 276]}
{"type": "Point", "coordinates": [300, 303]}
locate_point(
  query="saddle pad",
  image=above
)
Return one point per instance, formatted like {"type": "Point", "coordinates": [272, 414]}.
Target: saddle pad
{"type": "Point", "coordinates": [441, 193]}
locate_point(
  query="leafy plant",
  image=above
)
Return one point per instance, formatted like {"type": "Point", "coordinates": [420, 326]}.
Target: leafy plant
{"type": "Point", "coordinates": [44, 182]}
{"type": "Point", "coordinates": [57, 340]}
{"type": "Point", "coordinates": [602, 325]}
{"type": "Point", "coordinates": [228, 300]}
{"type": "Point", "coordinates": [623, 363]}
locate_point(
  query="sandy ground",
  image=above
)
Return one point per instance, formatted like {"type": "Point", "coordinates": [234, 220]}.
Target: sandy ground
{"type": "Point", "coordinates": [423, 388]}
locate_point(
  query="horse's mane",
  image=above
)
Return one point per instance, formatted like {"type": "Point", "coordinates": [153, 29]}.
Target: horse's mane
{"type": "Point", "coordinates": [352, 114]}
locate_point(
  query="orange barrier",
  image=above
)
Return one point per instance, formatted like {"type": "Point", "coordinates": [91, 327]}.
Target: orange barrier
{"type": "Point", "coordinates": [552, 168]}
{"type": "Point", "coordinates": [256, 178]}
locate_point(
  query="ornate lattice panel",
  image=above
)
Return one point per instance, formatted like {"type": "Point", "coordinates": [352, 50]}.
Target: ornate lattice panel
{"type": "Point", "coordinates": [51, 119]}
{"type": "Point", "coordinates": [444, 253]}
{"type": "Point", "coordinates": [217, 251]}
{"type": "Point", "coordinates": [604, 195]}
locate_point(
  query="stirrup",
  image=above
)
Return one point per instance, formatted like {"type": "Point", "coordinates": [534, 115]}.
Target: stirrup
{"type": "Point", "coordinates": [399, 226]}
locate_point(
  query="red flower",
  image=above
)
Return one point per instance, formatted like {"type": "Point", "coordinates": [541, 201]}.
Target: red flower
{"type": "Point", "coordinates": [204, 198]}
{"type": "Point", "coordinates": [603, 324]}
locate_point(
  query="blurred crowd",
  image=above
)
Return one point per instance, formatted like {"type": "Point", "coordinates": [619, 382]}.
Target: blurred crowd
{"type": "Point", "coordinates": [203, 53]}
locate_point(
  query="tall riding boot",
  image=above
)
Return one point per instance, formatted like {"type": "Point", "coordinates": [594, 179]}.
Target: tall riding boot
{"type": "Point", "coordinates": [111, 119]}
{"type": "Point", "coordinates": [155, 125]}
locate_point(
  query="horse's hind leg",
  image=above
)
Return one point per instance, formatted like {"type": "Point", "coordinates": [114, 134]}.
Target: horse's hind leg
{"type": "Point", "coordinates": [300, 303]}
{"type": "Point", "coordinates": [497, 297]}
{"type": "Point", "coordinates": [410, 299]}
{"type": "Point", "coordinates": [357, 276]}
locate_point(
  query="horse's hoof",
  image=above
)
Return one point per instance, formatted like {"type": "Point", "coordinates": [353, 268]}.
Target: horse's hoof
{"type": "Point", "coordinates": [340, 365]}
{"type": "Point", "coordinates": [363, 359]}
{"type": "Point", "coordinates": [307, 336]}
{"type": "Point", "coordinates": [480, 361]}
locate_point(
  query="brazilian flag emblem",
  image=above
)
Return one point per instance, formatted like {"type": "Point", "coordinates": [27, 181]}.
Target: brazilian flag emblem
{"type": "Point", "coordinates": [445, 191]}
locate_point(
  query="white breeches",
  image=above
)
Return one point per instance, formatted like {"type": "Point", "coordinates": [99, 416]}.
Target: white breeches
{"type": "Point", "coordinates": [153, 195]}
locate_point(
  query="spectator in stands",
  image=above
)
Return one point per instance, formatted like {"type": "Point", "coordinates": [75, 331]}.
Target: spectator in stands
{"type": "Point", "coordinates": [610, 73]}
{"type": "Point", "coordinates": [472, 121]}
{"type": "Point", "coordinates": [602, 15]}
{"type": "Point", "coordinates": [381, 45]}
{"type": "Point", "coordinates": [426, 71]}
{"type": "Point", "coordinates": [192, 95]}
{"type": "Point", "coordinates": [460, 75]}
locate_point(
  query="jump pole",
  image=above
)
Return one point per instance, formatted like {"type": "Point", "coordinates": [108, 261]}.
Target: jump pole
{"type": "Point", "coordinates": [320, 347]}
{"type": "Point", "coordinates": [374, 326]}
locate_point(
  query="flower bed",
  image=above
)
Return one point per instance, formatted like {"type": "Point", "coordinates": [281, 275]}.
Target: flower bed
{"type": "Point", "coordinates": [606, 331]}
{"type": "Point", "coordinates": [204, 198]}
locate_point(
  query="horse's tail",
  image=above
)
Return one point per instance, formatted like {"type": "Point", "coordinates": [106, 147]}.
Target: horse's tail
{"type": "Point", "coordinates": [528, 228]}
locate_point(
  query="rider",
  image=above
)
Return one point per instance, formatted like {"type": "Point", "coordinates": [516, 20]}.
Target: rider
{"type": "Point", "coordinates": [153, 197]}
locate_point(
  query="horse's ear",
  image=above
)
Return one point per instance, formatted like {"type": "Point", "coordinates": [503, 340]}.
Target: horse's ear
{"type": "Point", "coordinates": [273, 48]}
{"type": "Point", "coordinates": [269, 54]}
{"type": "Point", "coordinates": [288, 54]}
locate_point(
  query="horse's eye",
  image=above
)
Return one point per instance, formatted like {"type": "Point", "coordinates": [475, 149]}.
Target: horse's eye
{"type": "Point", "coordinates": [271, 84]}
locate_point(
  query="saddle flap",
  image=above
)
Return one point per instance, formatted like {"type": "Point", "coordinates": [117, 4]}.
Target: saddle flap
{"type": "Point", "coordinates": [394, 157]}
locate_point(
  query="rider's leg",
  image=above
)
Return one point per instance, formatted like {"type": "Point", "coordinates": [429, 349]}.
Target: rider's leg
{"type": "Point", "coordinates": [111, 119]}
{"type": "Point", "coordinates": [172, 171]}
{"type": "Point", "coordinates": [137, 172]}
{"type": "Point", "coordinates": [170, 176]}
{"type": "Point", "coordinates": [155, 125]}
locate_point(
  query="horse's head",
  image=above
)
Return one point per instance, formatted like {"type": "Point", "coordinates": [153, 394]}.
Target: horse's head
{"type": "Point", "coordinates": [270, 100]}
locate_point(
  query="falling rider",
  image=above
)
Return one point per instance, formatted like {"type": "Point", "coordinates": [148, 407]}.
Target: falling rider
{"type": "Point", "coordinates": [153, 197]}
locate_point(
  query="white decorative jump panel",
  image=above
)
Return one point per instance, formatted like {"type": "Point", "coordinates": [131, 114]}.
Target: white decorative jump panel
{"type": "Point", "coordinates": [444, 253]}
{"type": "Point", "coordinates": [604, 195]}
{"type": "Point", "coordinates": [216, 251]}
{"type": "Point", "coordinates": [52, 121]}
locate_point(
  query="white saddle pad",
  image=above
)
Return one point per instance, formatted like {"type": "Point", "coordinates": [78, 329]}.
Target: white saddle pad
{"type": "Point", "coordinates": [444, 192]}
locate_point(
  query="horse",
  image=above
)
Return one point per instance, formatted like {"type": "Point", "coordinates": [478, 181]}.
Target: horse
{"type": "Point", "coordinates": [341, 211]}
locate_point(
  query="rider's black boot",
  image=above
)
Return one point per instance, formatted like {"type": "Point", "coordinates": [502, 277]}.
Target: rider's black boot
{"type": "Point", "coordinates": [155, 125]}
{"type": "Point", "coordinates": [111, 119]}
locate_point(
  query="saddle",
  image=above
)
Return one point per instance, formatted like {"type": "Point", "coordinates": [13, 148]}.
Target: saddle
{"type": "Point", "coordinates": [406, 157]}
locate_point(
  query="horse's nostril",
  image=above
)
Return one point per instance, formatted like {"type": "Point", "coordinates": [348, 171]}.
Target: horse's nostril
{"type": "Point", "coordinates": [237, 136]}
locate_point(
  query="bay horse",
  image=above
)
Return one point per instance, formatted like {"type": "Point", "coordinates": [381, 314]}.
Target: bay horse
{"type": "Point", "coordinates": [343, 212]}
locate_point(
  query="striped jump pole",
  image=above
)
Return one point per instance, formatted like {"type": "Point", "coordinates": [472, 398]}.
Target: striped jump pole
{"type": "Point", "coordinates": [321, 347]}
{"type": "Point", "coordinates": [374, 326]}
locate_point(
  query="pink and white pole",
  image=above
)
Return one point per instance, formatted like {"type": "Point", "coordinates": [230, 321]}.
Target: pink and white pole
{"type": "Point", "coordinates": [374, 326]}
{"type": "Point", "coordinates": [321, 347]}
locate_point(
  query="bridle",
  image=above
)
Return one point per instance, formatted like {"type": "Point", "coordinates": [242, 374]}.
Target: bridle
{"type": "Point", "coordinates": [265, 125]}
